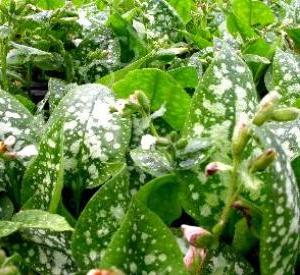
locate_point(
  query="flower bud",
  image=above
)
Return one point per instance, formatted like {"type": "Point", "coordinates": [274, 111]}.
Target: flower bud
{"type": "Point", "coordinates": [193, 258]}
{"type": "Point", "coordinates": [181, 143]}
{"type": "Point", "coordinates": [148, 142]}
{"type": "Point", "coordinates": [263, 161]}
{"type": "Point", "coordinates": [9, 270]}
{"type": "Point", "coordinates": [215, 167]}
{"type": "Point", "coordinates": [241, 136]}
{"type": "Point", "coordinates": [285, 114]}
{"type": "Point", "coordinates": [3, 147]}
{"type": "Point", "coordinates": [266, 107]}
{"type": "Point", "coordinates": [10, 141]}
{"type": "Point", "coordinates": [105, 272]}
{"type": "Point", "coordinates": [143, 100]}
{"type": "Point", "coordinates": [193, 233]}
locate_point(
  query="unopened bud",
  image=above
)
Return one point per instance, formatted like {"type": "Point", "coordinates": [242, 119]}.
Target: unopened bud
{"type": "Point", "coordinates": [143, 100]}
{"type": "Point", "coordinates": [215, 167]}
{"type": "Point", "coordinates": [263, 161]}
{"type": "Point", "coordinates": [285, 114]}
{"type": "Point", "coordinates": [9, 270]}
{"type": "Point", "coordinates": [194, 258]}
{"type": "Point", "coordinates": [241, 136]}
{"type": "Point", "coordinates": [105, 272]}
{"type": "Point", "coordinates": [181, 143]}
{"type": "Point", "coordinates": [3, 147]}
{"type": "Point", "coordinates": [266, 108]}
{"type": "Point", "coordinates": [193, 233]}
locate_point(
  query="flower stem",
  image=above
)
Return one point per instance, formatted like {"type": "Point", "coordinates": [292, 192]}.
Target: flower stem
{"type": "Point", "coordinates": [3, 52]}
{"type": "Point", "coordinates": [231, 197]}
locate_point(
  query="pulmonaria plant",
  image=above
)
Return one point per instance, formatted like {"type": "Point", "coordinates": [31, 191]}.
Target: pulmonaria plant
{"type": "Point", "coordinates": [182, 156]}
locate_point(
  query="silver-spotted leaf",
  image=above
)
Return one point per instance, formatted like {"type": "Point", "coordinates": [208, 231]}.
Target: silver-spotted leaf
{"type": "Point", "coordinates": [47, 241]}
{"type": "Point", "coordinates": [152, 162]}
{"type": "Point", "coordinates": [100, 219]}
{"type": "Point", "coordinates": [41, 219]}
{"type": "Point", "coordinates": [45, 260]}
{"type": "Point", "coordinates": [279, 235]}
{"type": "Point", "coordinates": [285, 79]}
{"type": "Point", "coordinates": [36, 225]}
{"type": "Point", "coordinates": [144, 244]}
{"type": "Point", "coordinates": [159, 23]}
{"type": "Point", "coordinates": [15, 121]}
{"type": "Point", "coordinates": [43, 179]}
{"type": "Point", "coordinates": [227, 261]}
{"type": "Point", "coordinates": [57, 89]}
{"type": "Point", "coordinates": [161, 89]}
{"type": "Point", "coordinates": [6, 207]}
{"type": "Point", "coordinates": [289, 135]}
{"type": "Point", "coordinates": [285, 76]}
{"type": "Point", "coordinates": [202, 198]}
{"type": "Point", "coordinates": [95, 138]}
{"type": "Point", "coordinates": [225, 93]}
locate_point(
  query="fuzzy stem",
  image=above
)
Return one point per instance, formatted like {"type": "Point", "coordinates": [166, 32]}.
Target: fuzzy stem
{"type": "Point", "coordinates": [3, 52]}
{"type": "Point", "coordinates": [231, 197]}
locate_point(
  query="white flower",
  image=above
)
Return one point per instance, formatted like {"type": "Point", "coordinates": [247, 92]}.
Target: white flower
{"type": "Point", "coordinates": [27, 151]}
{"type": "Point", "coordinates": [120, 105]}
{"type": "Point", "coordinates": [148, 141]}
{"type": "Point", "coordinates": [10, 141]}
{"type": "Point", "coordinates": [160, 112]}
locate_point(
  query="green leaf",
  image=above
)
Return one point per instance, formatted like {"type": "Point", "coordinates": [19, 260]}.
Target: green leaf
{"type": "Point", "coordinates": [187, 76]}
{"type": "Point", "coordinates": [50, 4]}
{"type": "Point", "coordinates": [41, 219]}
{"type": "Point", "coordinates": [285, 79]}
{"type": "Point", "coordinates": [33, 223]}
{"type": "Point", "coordinates": [183, 8]}
{"type": "Point", "coordinates": [7, 228]}
{"type": "Point", "coordinates": [227, 261]}
{"type": "Point", "coordinates": [243, 239]}
{"type": "Point", "coordinates": [43, 183]}
{"type": "Point", "coordinates": [259, 51]}
{"type": "Point", "coordinates": [16, 121]}
{"type": "Point", "coordinates": [225, 92]}
{"type": "Point", "coordinates": [45, 260]}
{"type": "Point", "coordinates": [113, 77]}
{"type": "Point", "coordinates": [6, 207]}
{"type": "Point", "coordinates": [289, 135]}
{"type": "Point", "coordinates": [144, 244]}
{"type": "Point", "coordinates": [162, 196]}
{"type": "Point", "coordinates": [279, 235]}
{"type": "Point", "coordinates": [202, 198]}
{"type": "Point", "coordinates": [253, 12]}
{"type": "Point", "coordinates": [100, 219]}
{"type": "Point", "coordinates": [285, 75]}
{"type": "Point", "coordinates": [161, 89]}
{"type": "Point", "coordinates": [95, 139]}
{"type": "Point", "coordinates": [153, 162]}
{"type": "Point", "coordinates": [161, 23]}
{"type": "Point", "coordinates": [261, 14]}
{"type": "Point", "coordinates": [237, 26]}
{"type": "Point", "coordinates": [57, 89]}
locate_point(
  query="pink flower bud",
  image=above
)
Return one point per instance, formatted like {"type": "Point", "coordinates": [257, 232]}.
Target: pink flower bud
{"type": "Point", "coordinates": [215, 167]}
{"type": "Point", "coordinates": [193, 233]}
{"type": "Point", "coordinates": [105, 272]}
{"type": "Point", "coordinates": [194, 256]}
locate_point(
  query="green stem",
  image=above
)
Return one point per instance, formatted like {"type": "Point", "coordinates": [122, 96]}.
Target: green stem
{"type": "Point", "coordinates": [231, 197]}
{"type": "Point", "coordinates": [3, 52]}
